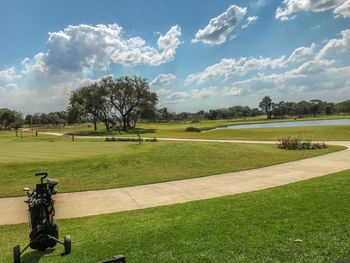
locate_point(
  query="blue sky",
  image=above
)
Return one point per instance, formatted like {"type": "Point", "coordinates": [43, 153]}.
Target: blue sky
{"type": "Point", "coordinates": [196, 54]}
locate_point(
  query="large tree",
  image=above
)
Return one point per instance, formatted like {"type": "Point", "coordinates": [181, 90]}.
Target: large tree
{"type": "Point", "coordinates": [115, 102]}
{"type": "Point", "coordinates": [131, 97]}
{"type": "Point", "coordinates": [91, 101]}
{"type": "Point", "coordinates": [266, 105]}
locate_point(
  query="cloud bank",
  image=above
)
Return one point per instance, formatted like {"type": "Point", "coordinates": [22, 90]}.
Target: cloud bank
{"type": "Point", "coordinates": [291, 7]}
{"type": "Point", "coordinates": [85, 47]}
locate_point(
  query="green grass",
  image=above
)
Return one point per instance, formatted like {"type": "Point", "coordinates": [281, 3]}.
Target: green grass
{"type": "Point", "coordinates": [259, 226]}
{"type": "Point", "coordinates": [322, 133]}
{"type": "Point", "coordinates": [177, 130]}
{"type": "Point", "coordinates": [87, 165]}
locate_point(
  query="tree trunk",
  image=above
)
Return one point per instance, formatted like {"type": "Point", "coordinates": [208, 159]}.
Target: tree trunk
{"type": "Point", "coordinates": [125, 123]}
{"type": "Point", "coordinates": [95, 125]}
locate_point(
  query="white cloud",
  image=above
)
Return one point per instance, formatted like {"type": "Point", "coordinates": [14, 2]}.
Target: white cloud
{"type": "Point", "coordinates": [337, 48]}
{"type": "Point", "coordinates": [339, 7]}
{"type": "Point", "coordinates": [343, 9]}
{"type": "Point", "coordinates": [302, 53]}
{"type": "Point", "coordinates": [50, 95]}
{"type": "Point", "coordinates": [191, 94]}
{"type": "Point", "coordinates": [85, 47]}
{"type": "Point", "coordinates": [314, 77]}
{"type": "Point", "coordinates": [231, 91]}
{"type": "Point", "coordinates": [216, 32]}
{"type": "Point", "coordinates": [9, 74]}
{"type": "Point", "coordinates": [163, 91]}
{"type": "Point", "coordinates": [306, 73]}
{"type": "Point", "coordinates": [229, 67]}
{"type": "Point", "coordinates": [250, 20]}
{"type": "Point", "coordinates": [162, 80]}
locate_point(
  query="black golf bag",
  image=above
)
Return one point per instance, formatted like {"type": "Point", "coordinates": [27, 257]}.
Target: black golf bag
{"type": "Point", "coordinates": [41, 210]}
{"type": "Point", "coordinates": [41, 213]}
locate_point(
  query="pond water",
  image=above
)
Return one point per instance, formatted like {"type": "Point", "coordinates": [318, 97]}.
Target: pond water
{"type": "Point", "coordinates": [292, 124]}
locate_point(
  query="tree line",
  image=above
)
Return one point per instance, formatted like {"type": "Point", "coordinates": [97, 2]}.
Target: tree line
{"type": "Point", "coordinates": [302, 108]}
{"type": "Point", "coordinates": [121, 103]}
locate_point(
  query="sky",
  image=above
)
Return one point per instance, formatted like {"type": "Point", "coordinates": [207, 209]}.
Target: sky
{"type": "Point", "coordinates": [197, 55]}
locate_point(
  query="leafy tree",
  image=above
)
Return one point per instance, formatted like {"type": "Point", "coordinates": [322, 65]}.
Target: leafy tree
{"type": "Point", "coordinates": [131, 96]}
{"type": "Point", "coordinates": [10, 118]}
{"type": "Point", "coordinates": [329, 108]}
{"type": "Point", "coordinates": [266, 105]}
{"type": "Point", "coordinates": [119, 102]}
{"type": "Point", "coordinates": [90, 101]}
{"type": "Point", "coordinates": [316, 107]}
{"type": "Point", "coordinates": [302, 108]}
{"type": "Point", "coordinates": [164, 114]}
{"type": "Point", "coordinates": [28, 119]}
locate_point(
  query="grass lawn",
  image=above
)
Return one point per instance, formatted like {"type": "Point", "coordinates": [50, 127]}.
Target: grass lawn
{"type": "Point", "coordinates": [86, 165]}
{"type": "Point", "coordinates": [177, 130]}
{"type": "Point", "coordinates": [260, 226]}
{"type": "Point", "coordinates": [322, 133]}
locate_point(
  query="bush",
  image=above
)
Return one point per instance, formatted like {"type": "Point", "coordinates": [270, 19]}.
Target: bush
{"type": "Point", "coordinates": [129, 139]}
{"type": "Point", "coordinates": [192, 129]}
{"type": "Point", "coordinates": [298, 144]}
{"type": "Point", "coordinates": [195, 121]}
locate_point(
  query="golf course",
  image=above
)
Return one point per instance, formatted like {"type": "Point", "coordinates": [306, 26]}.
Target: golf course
{"type": "Point", "coordinates": [295, 220]}
{"type": "Point", "coordinates": [163, 131]}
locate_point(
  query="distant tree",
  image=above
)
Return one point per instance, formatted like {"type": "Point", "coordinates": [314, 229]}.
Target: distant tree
{"type": "Point", "coordinates": [164, 114]}
{"type": "Point", "coordinates": [73, 116]}
{"type": "Point", "coordinates": [343, 107]}
{"type": "Point", "coordinates": [255, 112]}
{"type": "Point", "coordinates": [28, 119]}
{"type": "Point", "coordinates": [329, 108]}
{"type": "Point", "coordinates": [302, 108]}
{"type": "Point", "coordinates": [212, 114]}
{"type": "Point", "coordinates": [266, 105]}
{"type": "Point", "coordinates": [10, 118]}
{"type": "Point", "coordinates": [316, 107]}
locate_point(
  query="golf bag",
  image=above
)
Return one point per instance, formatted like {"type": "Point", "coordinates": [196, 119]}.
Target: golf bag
{"type": "Point", "coordinates": [43, 229]}
{"type": "Point", "coordinates": [41, 213]}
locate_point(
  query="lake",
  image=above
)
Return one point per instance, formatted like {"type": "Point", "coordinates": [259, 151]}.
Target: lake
{"type": "Point", "coordinates": [292, 124]}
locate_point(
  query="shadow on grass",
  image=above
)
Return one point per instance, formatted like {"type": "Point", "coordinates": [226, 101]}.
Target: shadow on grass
{"type": "Point", "coordinates": [34, 256]}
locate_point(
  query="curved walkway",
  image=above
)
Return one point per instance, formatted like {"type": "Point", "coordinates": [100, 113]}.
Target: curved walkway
{"type": "Point", "coordinates": [70, 205]}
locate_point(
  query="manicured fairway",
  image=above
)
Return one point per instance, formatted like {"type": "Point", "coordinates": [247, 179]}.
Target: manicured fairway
{"type": "Point", "coordinates": [41, 151]}
{"type": "Point", "coordinates": [302, 222]}
{"type": "Point", "coordinates": [319, 133]}
{"type": "Point", "coordinates": [172, 130]}
{"type": "Point", "coordinates": [86, 165]}
{"type": "Point", "coordinates": [336, 133]}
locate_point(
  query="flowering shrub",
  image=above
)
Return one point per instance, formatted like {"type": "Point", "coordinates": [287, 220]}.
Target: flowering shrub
{"type": "Point", "coordinates": [298, 144]}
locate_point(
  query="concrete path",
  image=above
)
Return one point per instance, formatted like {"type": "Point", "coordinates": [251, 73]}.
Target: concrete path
{"type": "Point", "coordinates": [162, 139]}
{"type": "Point", "coordinates": [71, 205]}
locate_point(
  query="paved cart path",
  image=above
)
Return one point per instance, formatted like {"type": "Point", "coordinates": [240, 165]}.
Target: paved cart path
{"type": "Point", "coordinates": [70, 205]}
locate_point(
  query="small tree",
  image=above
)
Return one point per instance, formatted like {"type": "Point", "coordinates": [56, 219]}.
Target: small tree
{"type": "Point", "coordinates": [266, 105]}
